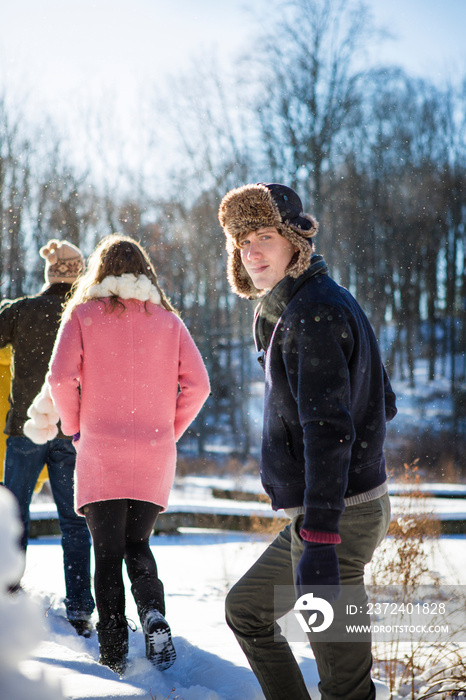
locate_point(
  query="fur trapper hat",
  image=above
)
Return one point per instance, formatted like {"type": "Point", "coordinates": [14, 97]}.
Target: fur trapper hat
{"type": "Point", "coordinates": [63, 261]}
{"type": "Point", "coordinates": [251, 207]}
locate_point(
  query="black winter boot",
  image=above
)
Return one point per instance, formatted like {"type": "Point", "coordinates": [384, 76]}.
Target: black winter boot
{"type": "Point", "coordinates": [113, 646]}
{"type": "Point", "coordinates": [83, 627]}
{"type": "Point", "coordinates": [159, 646]}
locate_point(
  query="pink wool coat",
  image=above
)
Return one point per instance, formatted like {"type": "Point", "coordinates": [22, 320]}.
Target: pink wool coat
{"type": "Point", "coordinates": [130, 383]}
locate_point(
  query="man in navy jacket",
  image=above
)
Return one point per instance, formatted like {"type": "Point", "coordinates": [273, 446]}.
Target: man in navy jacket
{"type": "Point", "coordinates": [326, 403]}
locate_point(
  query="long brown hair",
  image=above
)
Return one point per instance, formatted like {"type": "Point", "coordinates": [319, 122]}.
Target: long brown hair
{"type": "Point", "coordinates": [115, 255]}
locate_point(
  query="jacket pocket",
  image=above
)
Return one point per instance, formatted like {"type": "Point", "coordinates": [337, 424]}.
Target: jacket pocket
{"type": "Point", "coordinates": [288, 438]}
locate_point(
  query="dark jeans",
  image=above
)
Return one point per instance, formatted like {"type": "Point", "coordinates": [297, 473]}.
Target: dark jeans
{"type": "Point", "coordinates": [344, 668]}
{"type": "Point", "coordinates": [120, 531]}
{"type": "Point", "coordinates": [23, 463]}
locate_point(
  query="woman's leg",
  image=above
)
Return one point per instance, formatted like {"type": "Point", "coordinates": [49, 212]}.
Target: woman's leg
{"type": "Point", "coordinates": [106, 521]}
{"type": "Point", "coordinates": [146, 586]}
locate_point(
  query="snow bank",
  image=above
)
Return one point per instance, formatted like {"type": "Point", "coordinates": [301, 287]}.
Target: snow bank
{"type": "Point", "coordinates": [21, 627]}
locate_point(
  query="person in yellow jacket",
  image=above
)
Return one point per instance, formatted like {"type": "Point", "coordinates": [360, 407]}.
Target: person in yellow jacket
{"type": "Point", "coordinates": [5, 383]}
{"type": "Point", "coordinates": [5, 386]}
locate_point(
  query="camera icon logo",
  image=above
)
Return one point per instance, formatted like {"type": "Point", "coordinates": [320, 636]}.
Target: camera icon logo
{"type": "Point", "coordinates": [311, 606]}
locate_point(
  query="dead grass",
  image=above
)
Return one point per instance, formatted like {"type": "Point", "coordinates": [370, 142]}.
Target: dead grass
{"type": "Point", "coordinates": [418, 670]}
{"type": "Point", "coordinates": [439, 454]}
{"type": "Point", "coordinates": [218, 466]}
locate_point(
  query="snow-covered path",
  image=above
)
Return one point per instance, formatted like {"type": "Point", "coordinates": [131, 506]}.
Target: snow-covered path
{"type": "Point", "coordinates": [197, 568]}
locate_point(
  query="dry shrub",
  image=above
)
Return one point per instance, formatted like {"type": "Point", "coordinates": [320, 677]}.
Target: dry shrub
{"type": "Point", "coordinates": [186, 466]}
{"type": "Point", "coordinates": [419, 669]}
{"type": "Point", "coordinates": [441, 454]}
{"type": "Point", "coordinates": [411, 530]}
{"type": "Point", "coordinates": [261, 525]}
{"type": "Point", "coordinates": [236, 495]}
{"type": "Point", "coordinates": [215, 466]}
{"type": "Point", "coordinates": [450, 472]}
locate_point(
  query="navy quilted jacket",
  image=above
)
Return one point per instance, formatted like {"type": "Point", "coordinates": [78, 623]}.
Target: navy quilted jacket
{"type": "Point", "coordinates": [327, 400]}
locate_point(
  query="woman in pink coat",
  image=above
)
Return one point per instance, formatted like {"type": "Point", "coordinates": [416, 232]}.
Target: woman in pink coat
{"type": "Point", "coordinates": [127, 380]}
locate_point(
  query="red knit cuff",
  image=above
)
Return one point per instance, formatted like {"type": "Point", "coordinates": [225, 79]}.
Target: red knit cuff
{"type": "Point", "coordinates": [320, 537]}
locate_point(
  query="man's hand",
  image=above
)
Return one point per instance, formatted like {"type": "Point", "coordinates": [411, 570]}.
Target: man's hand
{"type": "Point", "coordinates": [318, 567]}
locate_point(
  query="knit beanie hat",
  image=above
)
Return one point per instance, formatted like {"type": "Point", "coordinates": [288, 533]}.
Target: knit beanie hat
{"type": "Point", "coordinates": [251, 207]}
{"type": "Point", "coordinates": [64, 261]}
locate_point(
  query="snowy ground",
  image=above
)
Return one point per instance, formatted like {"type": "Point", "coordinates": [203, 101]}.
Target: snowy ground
{"type": "Point", "coordinates": [41, 656]}
{"type": "Point", "coordinates": [197, 567]}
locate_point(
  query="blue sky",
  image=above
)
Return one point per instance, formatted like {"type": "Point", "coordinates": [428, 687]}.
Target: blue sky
{"type": "Point", "coordinates": [429, 35]}
{"type": "Point", "coordinates": [56, 43]}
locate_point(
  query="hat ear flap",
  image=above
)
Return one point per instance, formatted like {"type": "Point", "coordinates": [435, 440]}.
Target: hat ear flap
{"type": "Point", "coordinates": [299, 262]}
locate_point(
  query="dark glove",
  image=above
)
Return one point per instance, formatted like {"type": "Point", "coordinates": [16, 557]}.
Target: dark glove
{"type": "Point", "coordinates": [76, 436]}
{"type": "Point", "coordinates": [318, 567]}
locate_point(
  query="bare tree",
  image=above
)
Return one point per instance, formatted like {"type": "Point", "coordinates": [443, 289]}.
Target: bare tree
{"type": "Point", "coordinates": [15, 177]}
{"type": "Point", "coordinates": [209, 133]}
{"type": "Point", "coordinates": [310, 88]}
{"type": "Point", "coordinates": [207, 129]}
{"type": "Point", "coordinates": [65, 203]}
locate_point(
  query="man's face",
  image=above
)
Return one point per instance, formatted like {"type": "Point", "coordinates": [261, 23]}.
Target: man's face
{"type": "Point", "coordinates": [265, 254]}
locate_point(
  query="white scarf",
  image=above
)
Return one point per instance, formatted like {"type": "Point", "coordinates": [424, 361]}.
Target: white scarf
{"type": "Point", "coordinates": [127, 286]}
